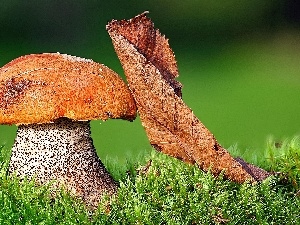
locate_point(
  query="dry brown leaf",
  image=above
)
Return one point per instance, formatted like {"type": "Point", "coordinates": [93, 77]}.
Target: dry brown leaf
{"type": "Point", "coordinates": [172, 128]}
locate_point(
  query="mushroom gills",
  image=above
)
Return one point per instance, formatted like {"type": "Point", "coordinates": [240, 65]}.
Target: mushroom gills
{"type": "Point", "coordinates": [62, 151]}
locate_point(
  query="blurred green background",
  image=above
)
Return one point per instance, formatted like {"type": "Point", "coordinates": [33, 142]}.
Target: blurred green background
{"type": "Point", "coordinates": [239, 61]}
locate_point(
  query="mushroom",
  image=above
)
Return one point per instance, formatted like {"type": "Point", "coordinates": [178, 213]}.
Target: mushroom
{"type": "Point", "coordinates": [52, 97]}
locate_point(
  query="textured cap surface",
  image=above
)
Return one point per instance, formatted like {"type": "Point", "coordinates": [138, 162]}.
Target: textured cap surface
{"type": "Point", "coordinates": [41, 88]}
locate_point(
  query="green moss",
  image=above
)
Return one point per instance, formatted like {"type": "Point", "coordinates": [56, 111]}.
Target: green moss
{"type": "Point", "coordinates": [157, 189]}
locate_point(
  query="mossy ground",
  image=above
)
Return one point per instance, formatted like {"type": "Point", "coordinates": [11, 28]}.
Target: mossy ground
{"type": "Point", "coordinates": [157, 189]}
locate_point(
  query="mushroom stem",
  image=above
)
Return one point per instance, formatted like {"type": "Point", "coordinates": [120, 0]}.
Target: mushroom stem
{"type": "Point", "coordinates": [62, 151]}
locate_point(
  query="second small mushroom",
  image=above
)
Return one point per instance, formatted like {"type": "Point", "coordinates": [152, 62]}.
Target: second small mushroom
{"type": "Point", "coordinates": [52, 97]}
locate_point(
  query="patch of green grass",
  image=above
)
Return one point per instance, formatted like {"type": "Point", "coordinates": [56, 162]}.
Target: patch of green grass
{"type": "Point", "coordinates": [284, 158]}
{"type": "Point", "coordinates": [157, 189]}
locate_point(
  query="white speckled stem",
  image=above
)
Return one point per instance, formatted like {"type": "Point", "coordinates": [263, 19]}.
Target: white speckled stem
{"type": "Point", "coordinates": [62, 151]}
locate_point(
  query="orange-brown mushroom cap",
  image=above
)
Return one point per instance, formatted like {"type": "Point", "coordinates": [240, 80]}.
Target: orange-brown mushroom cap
{"type": "Point", "coordinates": [41, 88]}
